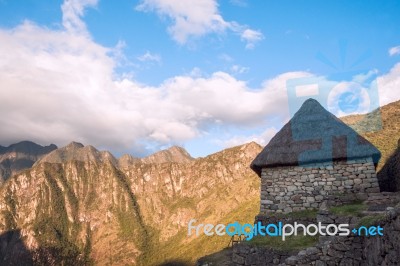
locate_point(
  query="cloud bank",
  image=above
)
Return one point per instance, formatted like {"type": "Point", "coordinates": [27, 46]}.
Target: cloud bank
{"type": "Point", "coordinates": [196, 19]}
{"type": "Point", "coordinates": [59, 85]}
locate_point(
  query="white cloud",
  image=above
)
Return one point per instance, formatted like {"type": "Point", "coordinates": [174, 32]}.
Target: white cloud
{"type": "Point", "coordinates": [389, 86]}
{"type": "Point", "coordinates": [262, 139]}
{"type": "Point", "coordinates": [59, 86]}
{"type": "Point", "coordinates": [251, 37]}
{"type": "Point", "coordinates": [364, 77]}
{"type": "Point", "coordinates": [72, 11]}
{"type": "Point", "coordinates": [150, 57]}
{"type": "Point", "coordinates": [196, 19]}
{"type": "Point", "coordinates": [394, 50]}
{"type": "Point", "coordinates": [237, 69]}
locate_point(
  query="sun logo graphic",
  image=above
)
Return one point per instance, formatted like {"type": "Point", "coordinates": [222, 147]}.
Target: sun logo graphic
{"type": "Point", "coordinates": [346, 91]}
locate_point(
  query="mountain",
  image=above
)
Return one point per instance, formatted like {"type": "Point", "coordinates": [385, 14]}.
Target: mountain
{"type": "Point", "coordinates": [20, 156]}
{"type": "Point", "coordinates": [78, 152]}
{"type": "Point", "coordinates": [78, 206]}
{"type": "Point", "coordinates": [126, 160]}
{"type": "Point", "coordinates": [174, 154]}
{"type": "Point", "coordinates": [71, 204]}
{"type": "Point", "coordinates": [380, 127]}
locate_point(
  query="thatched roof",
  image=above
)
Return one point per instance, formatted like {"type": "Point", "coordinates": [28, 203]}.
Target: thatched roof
{"type": "Point", "coordinates": [313, 135]}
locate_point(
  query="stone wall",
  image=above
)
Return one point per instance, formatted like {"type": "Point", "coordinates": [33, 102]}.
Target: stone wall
{"type": "Point", "coordinates": [333, 250]}
{"type": "Point", "coordinates": [295, 188]}
{"type": "Point", "coordinates": [356, 250]}
{"type": "Point", "coordinates": [243, 254]}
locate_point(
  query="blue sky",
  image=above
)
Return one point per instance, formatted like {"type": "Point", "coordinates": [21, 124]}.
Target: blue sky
{"type": "Point", "coordinates": [138, 76]}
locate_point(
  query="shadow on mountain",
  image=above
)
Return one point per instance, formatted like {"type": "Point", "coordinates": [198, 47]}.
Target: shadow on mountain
{"type": "Point", "coordinates": [389, 175]}
{"type": "Point", "coordinates": [13, 250]}
{"type": "Point", "coordinates": [174, 263]}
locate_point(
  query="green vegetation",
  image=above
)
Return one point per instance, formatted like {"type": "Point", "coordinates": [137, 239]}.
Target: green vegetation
{"type": "Point", "coordinates": [303, 214]}
{"type": "Point", "coordinates": [370, 220]}
{"type": "Point", "coordinates": [132, 226]}
{"type": "Point", "coordinates": [184, 203]}
{"type": "Point", "coordinates": [354, 209]}
{"type": "Point", "coordinates": [176, 249]}
{"type": "Point", "coordinates": [54, 232]}
{"type": "Point", "coordinates": [10, 213]}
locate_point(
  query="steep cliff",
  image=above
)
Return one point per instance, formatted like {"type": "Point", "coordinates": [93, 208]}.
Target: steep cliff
{"type": "Point", "coordinates": [79, 205]}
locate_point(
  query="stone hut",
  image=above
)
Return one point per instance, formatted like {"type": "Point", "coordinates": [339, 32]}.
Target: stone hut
{"type": "Point", "coordinates": [313, 157]}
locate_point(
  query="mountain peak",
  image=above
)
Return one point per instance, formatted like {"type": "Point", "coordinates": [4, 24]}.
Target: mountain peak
{"type": "Point", "coordinates": [19, 156]}
{"type": "Point", "coordinates": [250, 146]}
{"type": "Point", "coordinates": [28, 147]}
{"type": "Point", "coordinates": [76, 151]}
{"type": "Point", "coordinates": [126, 160]}
{"type": "Point", "coordinates": [74, 145]}
{"type": "Point", "coordinates": [174, 154]}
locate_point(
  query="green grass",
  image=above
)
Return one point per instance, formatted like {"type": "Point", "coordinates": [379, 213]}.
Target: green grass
{"type": "Point", "coordinates": [296, 214]}
{"type": "Point", "coordinates": [354, 209]}
{"type": "Point", "coordinates": [370, 220]}
{"type": "Point", "coordinates": [183, 203]}
{"type": "Point", "coordinates": [291, 242]}
{"type": "Point", "coordinates": [176, 248]}
{"type": "Point", "coordinates": [303, 214]}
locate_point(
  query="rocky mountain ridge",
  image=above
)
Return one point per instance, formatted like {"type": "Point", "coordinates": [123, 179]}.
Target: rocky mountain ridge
{"type": "Point", "coordinates": [173, 154]}
{"type": "Point", "coordinates": [20, 156]}
{"type": "Point", "coordinates": [78, 201]}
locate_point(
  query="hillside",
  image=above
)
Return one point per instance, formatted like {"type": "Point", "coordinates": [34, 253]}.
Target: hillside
{"type": "Point", "coordinates": [381, 128]}
{"type": "Point", "coordinates": [20, 156]}
{"type": "Point", "coordinates": [76, 206]}
{"type": "Point", "coordinates": [174, 154]}
{"type": "Point", "coordinates": [71, 213]}
{"type": "Point", "coordinates": [218, 188]}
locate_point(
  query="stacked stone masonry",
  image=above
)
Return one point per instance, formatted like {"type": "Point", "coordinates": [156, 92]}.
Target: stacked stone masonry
{"type": "Point", "coordinates": [333, 250]}
{"type": "Point", "coordinates": [294, 188]}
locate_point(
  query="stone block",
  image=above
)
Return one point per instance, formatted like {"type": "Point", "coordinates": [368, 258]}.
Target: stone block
{"type": "Point", "coordinates": [310, 199]}
{"type": "Point", "coordinates": [267, 202]}
{"type": "Point", "coordinates": [348, 182]}
{"type": "Point", "coordinates": [237, 259]}
{"type": "Point", "coordinates": [373, 190]}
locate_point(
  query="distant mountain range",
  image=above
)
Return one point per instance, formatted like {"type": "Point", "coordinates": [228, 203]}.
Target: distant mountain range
{"type": "Point", "coordinates": [20, 156]}
{"type": "Point", "coordinates": [78, 205]}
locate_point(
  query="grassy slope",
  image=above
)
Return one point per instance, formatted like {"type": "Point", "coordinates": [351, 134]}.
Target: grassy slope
{"type": "Point", "coordinates": [386, 137]}
{"type": "Point", "coordinates": [182, 248]}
